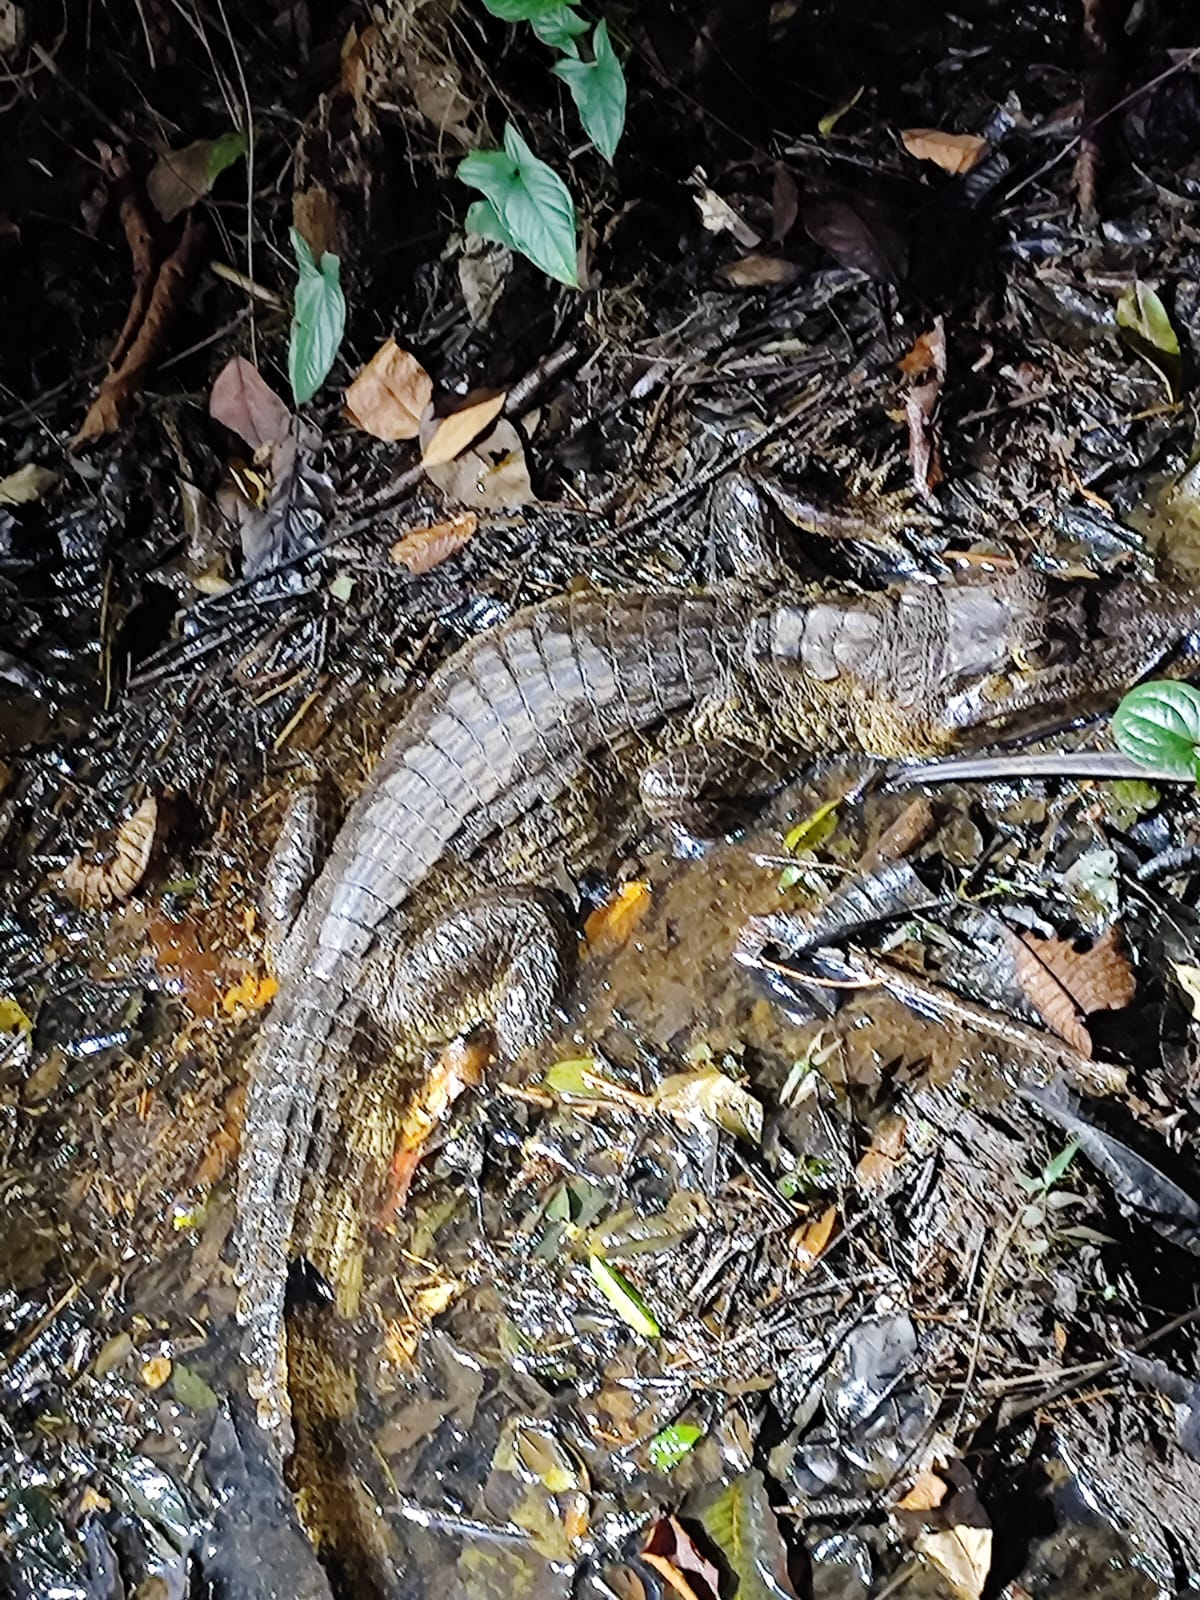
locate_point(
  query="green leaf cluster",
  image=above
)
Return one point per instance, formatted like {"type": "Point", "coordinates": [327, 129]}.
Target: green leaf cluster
{"type": "Point", "coordinates": [526, 205]}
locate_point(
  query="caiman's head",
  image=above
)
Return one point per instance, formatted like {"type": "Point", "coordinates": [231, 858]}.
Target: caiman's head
{"type": "Point", "coordinates": [987, 656]}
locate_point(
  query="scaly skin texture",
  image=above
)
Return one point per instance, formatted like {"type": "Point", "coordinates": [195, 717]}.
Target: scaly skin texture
{"type": "Point", "coordinates": [434, 911]}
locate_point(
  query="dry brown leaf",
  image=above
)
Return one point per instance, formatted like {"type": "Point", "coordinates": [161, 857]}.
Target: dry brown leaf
{"type": "Point", "coordinates": [491, 477]}
{"type": "Point", "coordinates": [718, 216]}
{"type": "Point", "coordinates": [1047, 996]}
{"type": "Point", "coordinates": [928, 1492]}
{"type": "Point", "coordinates": [759, 271]}
{"type": "Point", "coordinates": [243, 401]}
{"type": "Point", "coordinates": [92, 884]}
{"type": "Point", "coordinates": [609, 926]}
{"type": "Point", "coordinates": [181, 177]}
{"type": "Point", "coordinates": [391, 394]}
{"type": "Point", "coordinates": [811, 1241]}
{"type": "Point", "coordinates": [449, 436]}
{"type": "Point", "coordinates": [920, 407]}
{"type": "Point", "coordinates": [926, 354]}
{"type": "Point", "coordinates": [962, 1555]}
{"type": "Point", "coordinates": [139, 237]}
{"type": "Point", "coordinates": [673, 1553]}
{"type": "Point", "coordinates": [1099, 978]}
{"type": "Point", "coordinates": [422, 549]}
{"type": "Point", "coordinates": [315, 219]}
{"type": "Point", "coordinates": [953, 152]}
{"type": "Point", "coordinates": [26, 484]}
{"type": "Point", "coordinates": [878, 1166]}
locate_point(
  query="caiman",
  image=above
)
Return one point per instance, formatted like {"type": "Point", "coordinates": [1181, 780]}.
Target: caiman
{"type": "Point", "coordinates": [440, 906]}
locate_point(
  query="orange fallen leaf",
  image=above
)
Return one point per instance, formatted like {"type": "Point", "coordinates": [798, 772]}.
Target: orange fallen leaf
{"type": "Point", "coordinates": [953, 152]}
{"type": "Point", "coordinates": [927, 1492]}
{"type": "Point", "coordinates": [926, 354]}
{"type": "Point", "coordinates": [609, 926]}
{"type": "Point", "coordinates": [459, 1066]}
{"type": "Point", "coordinates": [1099, 978]}
{"type": "Point", "coordinates": [449, 436]}
{"type": "Point", "coordinates": [390, 395]}
{"type": "Point", "coordinates": [422, 549]}
{"type": "Point", "coordinates": [811, 1241]}
{"type": "Point", "coordinates": [251, 993]}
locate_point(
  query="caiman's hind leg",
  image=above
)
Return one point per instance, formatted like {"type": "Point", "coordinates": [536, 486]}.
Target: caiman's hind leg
{"type": "Point", "coordinates": [697, 788]}
{"type": "Point", "coordinates": [504, 960]}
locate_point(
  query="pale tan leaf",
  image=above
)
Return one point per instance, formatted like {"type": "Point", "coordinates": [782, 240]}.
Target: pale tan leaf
{"type": "Point", "coordinates": [718, 216]}
{"type": "Point", "coordinates": [953, 152]}
{"type": "Point", "coordinates": [243, 401]}
{"type": "Point", "coordinates": [391, 394]}
{"type": "Point", "coordinates": [93, 884]}
{"type": "Point", "coordinates": [26, 484]}
{"type": "Point", "coordinates": [451, 435]}
{"type": "Point", "coordinates": [422, 549]}
{"type": "Point", "coordinates": [1188, 979]}
{"type": "Point", "coordinates": [928, 1492]}
{"type": "Point", "coordinates": [759, 271]}
{"type": "Point", "coordinates": [712, 1094]}
{"type": "Point", "coordinates": [491, 477]}
{"type": "Point", "coordinates": [811, 1241]}
{"type": "Point", "coordinates": [962, 1555]}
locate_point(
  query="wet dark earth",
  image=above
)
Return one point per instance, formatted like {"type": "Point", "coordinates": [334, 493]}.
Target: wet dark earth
{"type": "Point", "coordinates": [830, 1247]}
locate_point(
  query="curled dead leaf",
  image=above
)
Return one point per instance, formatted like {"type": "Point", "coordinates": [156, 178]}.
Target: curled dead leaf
{"type": "Point", "coordinates": [243, 401]}
{"type": "Point", "coordinates": [953, 152]}
{"type": "Point", "coordinates": [675, 1556]}
{"type": "Point", "coordinates": [878, 1166]}
{"type": "Point", "coordinates": [449, 436]}
{"type": "Point", "coordinates": [963, 1556]}
{"type": "Point", "coordinates": [93, 884]}
{"type": "Point", "coordinates": [1064, 985]}
{"type": "Point", "coordinates": [493, 476]}
{"type": "Point", "coordinates": [391, 395]}
{"type": "Point", "coordinates": [927, 1493]}
{"type": "Point", "coordinates": [422, 549]}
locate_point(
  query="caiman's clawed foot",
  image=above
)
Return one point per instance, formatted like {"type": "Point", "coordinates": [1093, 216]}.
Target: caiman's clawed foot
{"type": "Point", "coordinates": [503, 960]}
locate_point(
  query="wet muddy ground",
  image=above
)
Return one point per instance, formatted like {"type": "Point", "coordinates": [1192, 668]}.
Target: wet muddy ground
{"type": "Point", "coordinates": [777, 1247]}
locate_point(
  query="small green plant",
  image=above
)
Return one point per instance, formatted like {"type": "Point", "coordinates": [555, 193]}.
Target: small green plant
{"type": "Point", "coordinates": [1158, 724]}
{"type": "Point", "coordinates": [526, 205]}
{"type": "Point", "coordinates": [318, 320]}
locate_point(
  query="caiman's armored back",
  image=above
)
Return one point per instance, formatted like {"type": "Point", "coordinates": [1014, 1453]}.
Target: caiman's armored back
{"type": "Point", "coordinates": [517, 719]}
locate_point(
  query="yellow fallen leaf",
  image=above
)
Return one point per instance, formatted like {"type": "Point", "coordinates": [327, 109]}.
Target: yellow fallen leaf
{"type": "Point", "coordinates": [391, 394]}
{"type": "Point", "coordinates": [962, 1555]}
{"type": "Point", "coordinates": [251, 994]}
{"type": "Point", "coordinates": [609, 926]}
{"type": "Point", "coordinates": [451, 435]}
{"type": "Point", "coordinates": [155, 1371]}
{"type": "Point", "coordinates": [1188, 979]}
{"type": "Point", "coordinates": [14, 1018]}
{"type": "Point", "coordinates": [422, 549]}
{"type": "Point", "coordinates": [953, 152]}
{"type": "Point", "coordinates": [810, 1242]}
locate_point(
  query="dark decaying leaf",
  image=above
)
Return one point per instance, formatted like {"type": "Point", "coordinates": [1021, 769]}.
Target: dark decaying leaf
{"type": "Point", "coordinates": [785, 203]}
{"type": "Point", "coordinates": [740, 1522]}
{"type": "Point", "coordinates": [243, 401]}
{"type": "Point", "coordinates": [292, 521]}
{"type": "Point", "coordinates": [181, 177]}
{"type": "Point", "coordinates": [673, 1553]}
{"type": "Point", "coordinates": [859, 233]}
{"type": "Point", "coordinates": [1143, 1187]}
